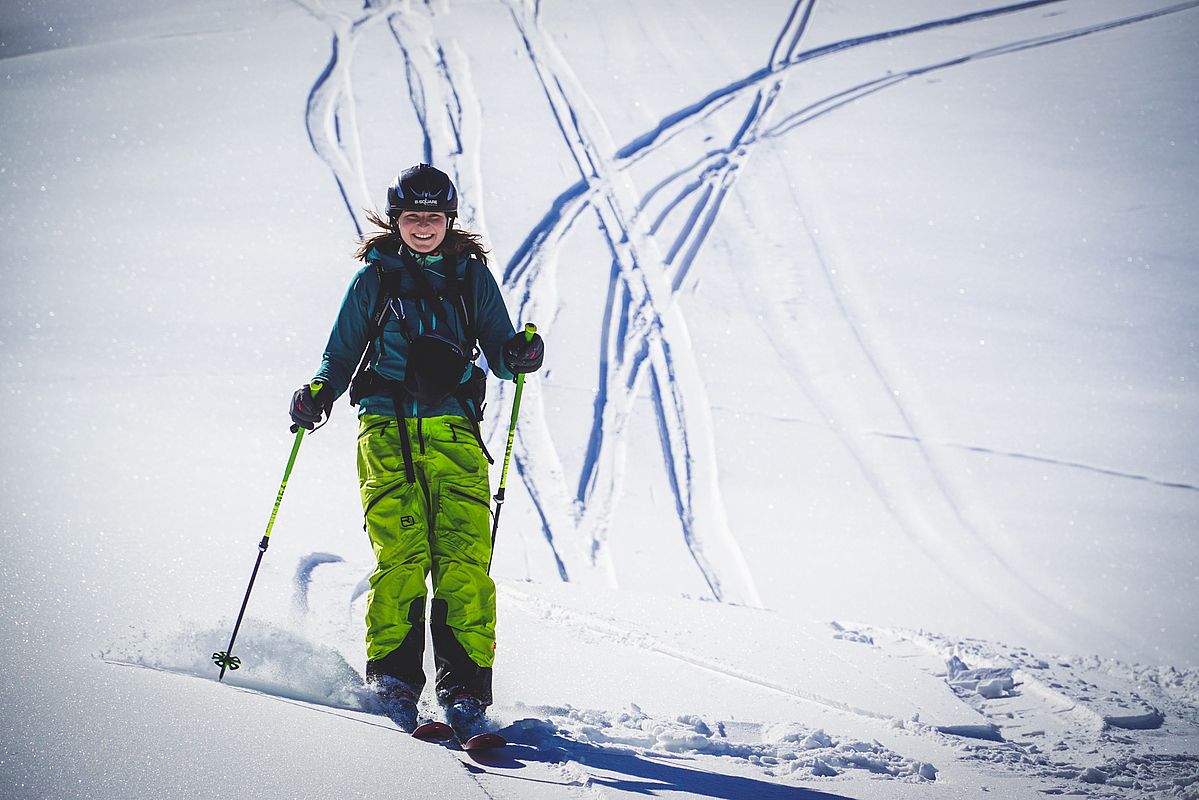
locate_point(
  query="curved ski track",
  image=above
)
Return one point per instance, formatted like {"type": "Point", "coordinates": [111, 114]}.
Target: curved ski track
{"type": "Point", "coordinates": [447, 108]}
{"type": "Point", "coordinates": [641, 322]}
{"type": "Point", "coordinates": [331, 117]}
{"type": "Point", "coordinates": [642, 640]}
{"type": "Point", "coordinates": [644, 331]}
{"type": "Point", "coordinates": [715, 175]}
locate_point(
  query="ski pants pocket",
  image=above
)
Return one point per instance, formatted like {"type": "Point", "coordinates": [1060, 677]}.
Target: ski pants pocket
{"type": "Point", "coordinates": [380, 453]}
{"type": "Point", "coordinates": [453, 441]}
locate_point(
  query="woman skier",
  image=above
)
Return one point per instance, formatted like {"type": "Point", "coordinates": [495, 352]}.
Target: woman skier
{"type": "Point", "coordinates": [404, 344]}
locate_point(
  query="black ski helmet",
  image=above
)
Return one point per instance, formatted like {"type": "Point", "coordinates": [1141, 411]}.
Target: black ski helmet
{"type": "Point", "coordinates": [422, 188]}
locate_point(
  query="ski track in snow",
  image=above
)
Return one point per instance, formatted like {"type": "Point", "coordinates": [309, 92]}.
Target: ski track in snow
{"type": "Point", "coordinates": [942, 549]}
{"type": "Point", "coordinates": [833, 102]}
{"type": "Point", "coordinates": [671, 124]}
{"type": "Point", "coordinates": [632, 343]}
{"type": "Point", "coordinates": [446, 105]}
{"type": "Point", "coordinates": [303, 578]}
{"type": "Point", "coordinates": [957, 564]}
{"type": "Point", "coordinates": [330, 118]}
{"type": "Point", "coordinates": [714, 171]}
{"type": "Point", "coordinates": [644, 332]}
{"type": "Point", "coordinates": [1067, 721]}
{"type": "Point", "coordinates": [1065, 463]}
{"type": "Point", "coordinates": [614, 631]}
{"type": "Point", "coordinates": [334, 622]}
{"type": "Point", "coordinates": [1056, 462]}
{"type": "Point", "coordinates": [933, 521]}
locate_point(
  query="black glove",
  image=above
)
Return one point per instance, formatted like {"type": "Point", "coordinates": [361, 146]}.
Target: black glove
{"type": "Point", "coordinates": [523, 355]}
{"type": "Point", "coordinates": [306, 410]}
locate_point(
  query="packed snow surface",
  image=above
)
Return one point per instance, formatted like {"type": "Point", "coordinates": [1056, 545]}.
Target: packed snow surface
{"type": "Point", "coordinates": [865, 459]}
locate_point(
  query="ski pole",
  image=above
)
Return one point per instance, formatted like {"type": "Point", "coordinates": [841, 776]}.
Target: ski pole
{"type": "Point", "coordinates": [530, 329]}
{"type": "Point", "coordinates": [225, 658]}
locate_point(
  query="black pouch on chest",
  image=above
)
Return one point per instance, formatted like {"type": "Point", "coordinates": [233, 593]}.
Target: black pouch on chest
{"type": "Point", "coordinates": [435, 368]}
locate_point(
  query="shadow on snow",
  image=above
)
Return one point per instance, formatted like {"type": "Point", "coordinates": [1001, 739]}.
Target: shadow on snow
{"type": "Point", "coordinates": [639, 773]}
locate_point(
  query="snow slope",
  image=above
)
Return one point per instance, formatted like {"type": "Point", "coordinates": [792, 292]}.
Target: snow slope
{"type": "Point", "coordinates": [863, 463]}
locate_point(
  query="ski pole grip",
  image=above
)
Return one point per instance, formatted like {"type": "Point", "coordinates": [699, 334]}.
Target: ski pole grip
{"type": "Point", "coordinates": [313, 388]}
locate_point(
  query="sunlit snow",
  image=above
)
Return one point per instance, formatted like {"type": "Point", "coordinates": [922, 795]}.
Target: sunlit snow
{"type": "Point", "coordinates": [865, 459]}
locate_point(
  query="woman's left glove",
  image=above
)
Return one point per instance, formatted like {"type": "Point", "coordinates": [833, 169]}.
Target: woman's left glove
{"type": "Point", "coordinates": [308, 405]}
{"type": "Point", "coordinates": [523, 354]}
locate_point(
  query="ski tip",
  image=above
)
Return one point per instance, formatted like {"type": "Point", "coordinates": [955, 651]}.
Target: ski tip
{"type": "Point", "coordinates": [433, 731]}
{"type": "Point", "coordinates": [484, 741]}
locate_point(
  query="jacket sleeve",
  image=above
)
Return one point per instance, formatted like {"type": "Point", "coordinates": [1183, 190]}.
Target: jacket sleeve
{"type": "Point", "coordinates": [348, 339]}
{"type": "Point", "coordinates": [493, 323]}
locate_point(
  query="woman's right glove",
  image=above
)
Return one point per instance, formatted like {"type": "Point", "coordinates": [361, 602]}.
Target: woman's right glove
{"type": "Point", "coordinates": [306, 409]}
{"type": "Point", "coordinates": [523, 354]}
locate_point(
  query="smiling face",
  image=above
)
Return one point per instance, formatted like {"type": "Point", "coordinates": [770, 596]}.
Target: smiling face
{"type": "Point", "coordinates": [423, 231]}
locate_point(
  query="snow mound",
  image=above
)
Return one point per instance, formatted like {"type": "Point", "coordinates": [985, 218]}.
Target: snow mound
{"type": "Point", "coordinates": [781, 750]}
{"type": "Point", "coordinates": [841, 632]}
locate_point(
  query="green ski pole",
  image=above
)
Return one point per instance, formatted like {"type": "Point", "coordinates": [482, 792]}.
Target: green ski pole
{"type": "Point", "coordinates": [225, 658]}
{"type": "Point", "coordinates": [530, 329]}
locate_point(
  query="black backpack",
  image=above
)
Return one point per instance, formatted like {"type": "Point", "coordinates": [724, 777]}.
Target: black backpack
{"type": "Point", "coordinates": [435, 364]}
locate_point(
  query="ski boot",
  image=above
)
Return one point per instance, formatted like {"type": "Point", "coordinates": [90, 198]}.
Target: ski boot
{"type": "Point", "coordinates": [398, 702]}
{"type": "Point", "coordinates": [465, 714]}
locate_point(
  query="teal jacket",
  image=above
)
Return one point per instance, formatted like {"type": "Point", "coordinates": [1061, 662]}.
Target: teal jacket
{"type": "Point", "coordinates": [348, 339]}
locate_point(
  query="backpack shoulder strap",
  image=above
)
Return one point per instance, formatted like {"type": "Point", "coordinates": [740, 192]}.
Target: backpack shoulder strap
{"type": "Point", "coordinates": [374, 327]}
{"type": "Point", "coordinates": [386, 292]}
{"type": "Point", "coordinates": [466, 295]}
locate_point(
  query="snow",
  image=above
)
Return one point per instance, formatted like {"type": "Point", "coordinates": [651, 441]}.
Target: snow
{"type": "Point", "coordinates": [863, 463]}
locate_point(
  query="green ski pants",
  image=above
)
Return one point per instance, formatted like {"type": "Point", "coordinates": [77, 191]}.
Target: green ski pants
{"type": "Point", "coordinates": [438, 525]}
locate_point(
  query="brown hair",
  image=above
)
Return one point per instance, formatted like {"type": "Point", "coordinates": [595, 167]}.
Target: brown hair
{"type": "Point", "coordinates": [457, 242]}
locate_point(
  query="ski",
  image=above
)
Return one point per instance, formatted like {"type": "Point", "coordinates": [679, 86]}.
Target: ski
{"type": "Point", "coordinates": [433, 731]}
{"type": "Point", "coordinates": [483, 741]}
